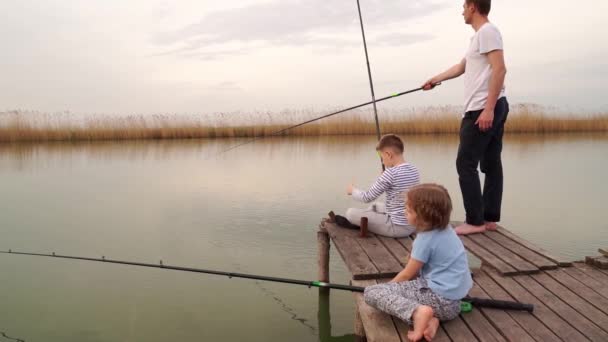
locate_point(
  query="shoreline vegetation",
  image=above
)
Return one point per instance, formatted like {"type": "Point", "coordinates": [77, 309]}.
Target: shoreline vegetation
{"type": "Point", "coordinates": [26, 126]}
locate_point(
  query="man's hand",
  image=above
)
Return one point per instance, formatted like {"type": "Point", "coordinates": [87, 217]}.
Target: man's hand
{"type": "Point", "coordinates": [430, 84]}
{"type": "Point", "coordinates": [349, 189]}
{"type": "Point", "coordinates": [453, 72]}
{"type": "Point", "coordinates": [485, 120]}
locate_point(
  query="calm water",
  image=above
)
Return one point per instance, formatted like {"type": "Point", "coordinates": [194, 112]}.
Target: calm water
{"type": "Point", "coordinates": [255, 210]}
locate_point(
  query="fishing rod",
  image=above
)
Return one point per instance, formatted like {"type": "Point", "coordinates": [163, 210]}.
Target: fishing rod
{"type": "Point", "coordinates": [480, 302]}
{"type": "Point", "coordinates": [324, 116]}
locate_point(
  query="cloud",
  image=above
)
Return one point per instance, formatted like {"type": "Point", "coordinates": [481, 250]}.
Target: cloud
{"type": "Point", "coordinates": [322, 23]}
{"type": "Point", "coordinates": [228, 86]}
{"type": "Point", "coordinates": [196, 52]}
{"type": "Point", "coordinates": [402, 38]}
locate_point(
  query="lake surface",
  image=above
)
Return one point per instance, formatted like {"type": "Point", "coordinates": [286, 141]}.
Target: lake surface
{"type": "Point", "coordinates": [253, 210]}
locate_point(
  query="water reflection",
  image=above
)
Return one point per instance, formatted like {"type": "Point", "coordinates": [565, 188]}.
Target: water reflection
{"type": "Point", "coordinates": [4, 335]}
{"type": "Point", "coordinates": [324, 321]}
{"type": "Point", "coordinates": [23, 155]}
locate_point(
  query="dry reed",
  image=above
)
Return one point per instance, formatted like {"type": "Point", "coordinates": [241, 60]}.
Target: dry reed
{"type": "Point", "coordinates": [17, 126]}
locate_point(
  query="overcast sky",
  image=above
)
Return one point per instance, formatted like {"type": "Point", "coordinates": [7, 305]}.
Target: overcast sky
{"type": "Point", "coordinates": [202, 56]}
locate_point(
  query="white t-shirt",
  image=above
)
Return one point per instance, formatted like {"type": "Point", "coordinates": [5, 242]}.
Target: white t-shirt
{"type": "Point", "coordinates": [478, 70]}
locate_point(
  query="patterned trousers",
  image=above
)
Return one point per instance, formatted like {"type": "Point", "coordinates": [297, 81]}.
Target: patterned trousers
{"type": "Point", "coordinates": [401, 300]}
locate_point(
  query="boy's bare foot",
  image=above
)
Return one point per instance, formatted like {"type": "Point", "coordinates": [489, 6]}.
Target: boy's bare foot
{"type": "Point", "coordinates": [431, 330]}
{"type": "Point", "coordinates": [465, 229]}
{"type": "Point", "coordinates": [422, 316]}
{"type": "Point", "coordinates": [491, 225]}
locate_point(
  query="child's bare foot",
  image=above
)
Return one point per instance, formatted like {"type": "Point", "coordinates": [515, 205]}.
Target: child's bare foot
{"type": "Point", "coordinates": [422, 316]}
{"type": "Point", "coordinates": [431, 330]}
{"type": "Point", "coordinates": [491, 225]}
{"type": "Point", "coordinates": [465, 229]}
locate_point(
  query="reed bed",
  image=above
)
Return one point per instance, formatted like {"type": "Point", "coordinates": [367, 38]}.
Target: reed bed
{"type": "Point", "coordinates": [21, 126]}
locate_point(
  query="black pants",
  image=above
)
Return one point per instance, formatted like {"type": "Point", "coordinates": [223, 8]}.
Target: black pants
{"type": "Point", "coordinates": [482, 147]}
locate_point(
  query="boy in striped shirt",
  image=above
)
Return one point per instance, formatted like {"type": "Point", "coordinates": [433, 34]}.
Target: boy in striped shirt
{"type": "Point", "coordinates": [399, 176]}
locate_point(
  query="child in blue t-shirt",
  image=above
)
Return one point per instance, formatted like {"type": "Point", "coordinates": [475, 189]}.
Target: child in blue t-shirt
{"type": "Point", "coordinates": [440, 259]}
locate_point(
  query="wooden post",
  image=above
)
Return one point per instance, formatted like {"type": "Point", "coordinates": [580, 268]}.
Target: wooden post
{"type": "Point", "coordinates": [359, 329]}
{"type": "Point", "coordinates": [363, 227]}
{"type": "Point", "coordinates": [323, 259]}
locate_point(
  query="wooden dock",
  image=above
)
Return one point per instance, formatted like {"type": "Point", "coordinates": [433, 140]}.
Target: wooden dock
{"type": "Point", "coordinates": [570, 298]}
{"type": "Point", "coordinates": [600, 261]}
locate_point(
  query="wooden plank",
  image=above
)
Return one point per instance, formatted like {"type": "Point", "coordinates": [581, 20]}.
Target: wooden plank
{"type": "Point", "coordinates": [600, 262]}
{"type": "Point", "coordinates": [388, 266]}
{"type": "Point", "coordinates": [379, 326]}
{"type": "Point", "coordinates": [458, 331]}
{"type": "Point", "coordinates": [560, 261]}
{"type": "Point", "coordinates": [359, 329]}
{"type": "Point", "coordinates": [526, 320]}
{"type": "Point", "coordinates": [355, 258]}
{"type": "Point", "coordinates": [574, 300]}
{"type": "Point", "coordinates": [508, 327]}
{"type": "Point", "coordinates": [403, 329]}
{"type": "Point", "coordinates": [385, 264]}
{"type": "Point", "coordinates": [574, 285]}
{"type": "Point", "coordinates": [565, 311]}
{"type": "Point", "coordinates": [591, 271]}
{"type": "Point", "coordinates": [488, 258]}
{"type": "Point", "coordinates": [480, 325]}
{"type": "Point", "coordinates": [406, 243]}
{"type": "Point", "coordinates": [395, 248]}
{"type": "Point", "coordinates": [525, 253]}
{"type": "Point", "coordinates": [603, 251]}
{"type": "Point", "coordinates": [598, 286]}
{"type": "Point", "coordinates": [554, 322]}
{"type": "Point", "coordinates": [441, 335]}
{"type": "Point", "coordinates": [521, 265]}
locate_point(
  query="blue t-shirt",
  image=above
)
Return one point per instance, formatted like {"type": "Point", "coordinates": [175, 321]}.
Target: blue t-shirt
{"type": "Point", "coordinates": [446, 268]}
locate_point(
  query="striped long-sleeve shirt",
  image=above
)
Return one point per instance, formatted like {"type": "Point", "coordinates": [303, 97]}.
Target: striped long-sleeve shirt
{"type": "Point", "coordinates": [395, 182]}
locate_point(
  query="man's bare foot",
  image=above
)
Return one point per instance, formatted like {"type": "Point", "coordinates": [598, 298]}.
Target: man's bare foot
{"type": "Point", "coordinates": [431, 330]}
{"type": "Point", "coordinates": [491, 225]}
{"type": "Point", "coordinates": [465, 229]}
{"type": "Point", "coordinates": [421, 317]}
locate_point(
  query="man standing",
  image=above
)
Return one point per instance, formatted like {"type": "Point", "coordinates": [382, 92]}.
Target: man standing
{"type": "Point", "coordinates": [482, 126]}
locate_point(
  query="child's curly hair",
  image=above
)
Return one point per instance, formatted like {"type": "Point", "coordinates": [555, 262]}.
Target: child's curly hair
{"type": "Point", "coordinates": [432, 205]}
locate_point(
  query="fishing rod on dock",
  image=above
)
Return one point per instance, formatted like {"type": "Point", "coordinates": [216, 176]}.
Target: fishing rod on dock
{"type": "Point", "coordinates": [281, 131]}
{"type": "Point", "coordinates": [480, 302]}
